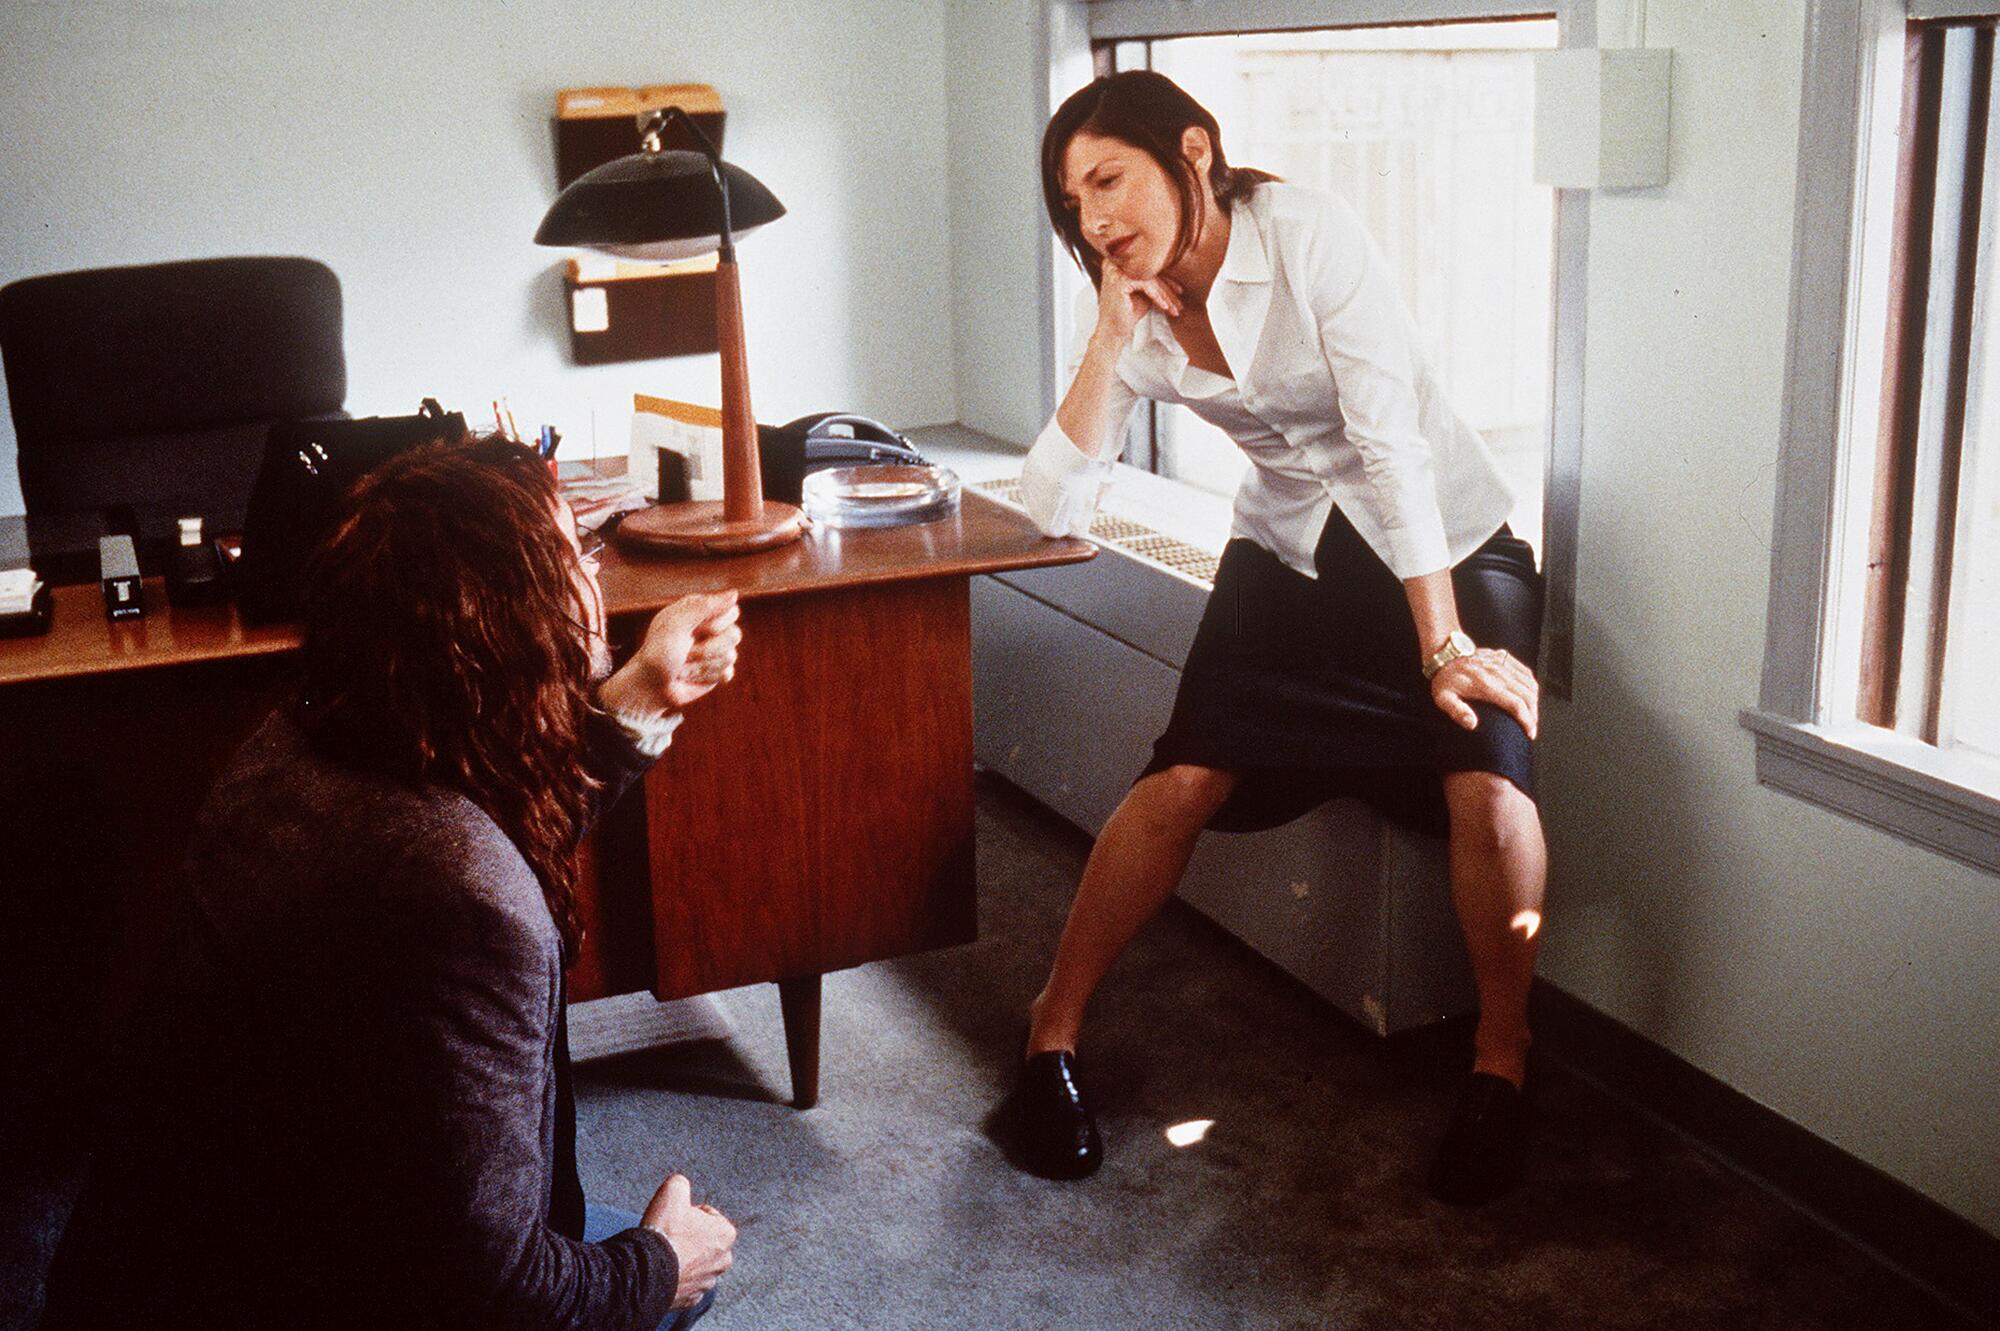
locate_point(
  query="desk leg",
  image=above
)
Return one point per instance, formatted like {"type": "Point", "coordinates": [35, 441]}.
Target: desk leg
{"type": "Point", "coordinates": [799, 1001]}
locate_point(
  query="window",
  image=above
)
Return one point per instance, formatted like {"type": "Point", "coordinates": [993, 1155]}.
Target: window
{"type": "Point", "coordinates": [1885, 593]}
{"type": "Point", "coordinates": [1929, 602]}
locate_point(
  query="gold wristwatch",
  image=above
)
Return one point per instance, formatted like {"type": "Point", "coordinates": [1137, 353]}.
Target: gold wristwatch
{"type": "Point", "coordinates": [1458, 644]}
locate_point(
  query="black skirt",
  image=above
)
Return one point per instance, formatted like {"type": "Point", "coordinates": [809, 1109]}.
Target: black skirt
{"type": "Point", "coordinates": [1307, 689]}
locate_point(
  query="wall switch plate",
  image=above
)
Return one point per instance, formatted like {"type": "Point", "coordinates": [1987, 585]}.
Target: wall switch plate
{"type": "Point", "coordinates": [1601, 117]}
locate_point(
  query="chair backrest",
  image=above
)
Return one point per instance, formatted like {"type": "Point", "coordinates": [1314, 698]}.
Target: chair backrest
{"type": "Point", "coordinates": [156, 385]}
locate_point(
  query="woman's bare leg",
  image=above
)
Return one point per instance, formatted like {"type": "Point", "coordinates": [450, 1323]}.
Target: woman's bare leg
{"type": "Point", "coordinates": [1499, 867]}
{"type": "Point", "coordinates": [1135, 865]}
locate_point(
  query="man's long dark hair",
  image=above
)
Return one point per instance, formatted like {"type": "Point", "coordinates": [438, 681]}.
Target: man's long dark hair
{"type": "Point", "coordinates": [446, 644]}
{"type": "Point", "coordinates": [1151, 112]}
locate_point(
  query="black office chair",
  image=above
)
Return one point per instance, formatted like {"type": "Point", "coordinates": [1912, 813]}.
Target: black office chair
{"type": "Point", "coordinates": [154, 386]}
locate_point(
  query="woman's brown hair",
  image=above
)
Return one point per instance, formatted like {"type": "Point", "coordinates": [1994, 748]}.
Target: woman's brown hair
{"type": "Point", "coordinates": [1152, 113]}
{"type": "Point", "coordinates": [446, 644]}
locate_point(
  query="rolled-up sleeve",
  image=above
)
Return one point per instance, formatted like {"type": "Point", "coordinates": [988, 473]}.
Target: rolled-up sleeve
{"type": "Point", "coordinates": [1060, 483]}
{"type": "Point", "coordinates": [1366, 340]}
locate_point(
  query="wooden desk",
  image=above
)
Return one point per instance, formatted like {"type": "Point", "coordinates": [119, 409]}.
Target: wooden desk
{"type": "Point", "coordinates": [813, 815]}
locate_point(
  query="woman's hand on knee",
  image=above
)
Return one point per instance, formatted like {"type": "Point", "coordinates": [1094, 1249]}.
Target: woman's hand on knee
{"type": "Point", "coordinates": [1493, 675]}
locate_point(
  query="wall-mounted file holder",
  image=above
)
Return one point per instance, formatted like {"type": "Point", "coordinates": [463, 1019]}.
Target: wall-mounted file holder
{"type": "Point", "coordinates": [638, 311]}
{"type": "Point", "coordinates": [633, 311]}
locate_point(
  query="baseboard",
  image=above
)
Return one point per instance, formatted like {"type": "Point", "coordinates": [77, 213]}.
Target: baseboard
{"type": "Point", "coordinates": [1947, 1255]}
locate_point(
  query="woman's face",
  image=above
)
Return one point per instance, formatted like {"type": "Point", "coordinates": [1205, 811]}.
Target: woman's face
{"type": "Point", "coordinates": [586, 548]}
{"type": "Point", "coordinates": [1126, 207]}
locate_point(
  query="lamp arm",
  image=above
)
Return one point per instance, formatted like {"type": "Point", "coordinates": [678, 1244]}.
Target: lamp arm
{"type": "Point", "coordinates": [649, 128]}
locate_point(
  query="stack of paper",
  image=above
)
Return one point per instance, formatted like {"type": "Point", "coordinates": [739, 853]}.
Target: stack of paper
{"type": "Point", "coordinates": [17, 590]}
{"type": "Point", "coordinates": [595, 502]}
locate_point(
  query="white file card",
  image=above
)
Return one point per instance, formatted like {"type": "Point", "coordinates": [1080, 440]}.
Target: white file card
{"type": "Point", "coordinates": [589, 310]}
{"type": "Point", "coordinates": [17, 590]}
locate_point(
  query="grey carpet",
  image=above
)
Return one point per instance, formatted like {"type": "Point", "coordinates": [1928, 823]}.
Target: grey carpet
{"type": "Point", "coordinates": [887, 1207]}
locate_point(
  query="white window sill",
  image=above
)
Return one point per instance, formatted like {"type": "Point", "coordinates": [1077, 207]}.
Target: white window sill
{"type": "Point", "coordinates": [1942, 800]}
{"type": "Point", "coordinates": [1173, 508]}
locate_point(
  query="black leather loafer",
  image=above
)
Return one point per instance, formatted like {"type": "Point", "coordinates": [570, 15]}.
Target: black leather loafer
{"type": "Point", "coordinates": [1046, 1127]}
{"type": "Point", "coordinates": [1486, 1144]}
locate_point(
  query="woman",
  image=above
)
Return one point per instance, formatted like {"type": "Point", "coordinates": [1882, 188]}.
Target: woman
{"type": "Point", "coordinates": [345, 1101]}
{"type": "Point", "coordinates": [1372, 616]}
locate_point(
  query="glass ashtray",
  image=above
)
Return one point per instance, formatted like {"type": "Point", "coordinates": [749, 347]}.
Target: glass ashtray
{"type": "Point", "coordinates": [881, 495]}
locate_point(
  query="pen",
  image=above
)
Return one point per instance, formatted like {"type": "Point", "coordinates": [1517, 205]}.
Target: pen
{"type": "Point", "coordinates": [499, 422]}
{"type": "Point", "coordinates": [513, 430]}
{"type": "Point", "coordinates": [548, 449]}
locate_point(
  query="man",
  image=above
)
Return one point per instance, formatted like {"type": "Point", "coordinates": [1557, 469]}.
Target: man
{"type": "Point", "coordinates": [346, 1100]}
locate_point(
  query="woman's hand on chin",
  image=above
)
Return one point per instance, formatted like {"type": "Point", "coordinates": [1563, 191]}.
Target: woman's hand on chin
{"type": "Point", "coordinates": [1122, 301]}
{"type": "Point", "coordinates": [1491, 675]}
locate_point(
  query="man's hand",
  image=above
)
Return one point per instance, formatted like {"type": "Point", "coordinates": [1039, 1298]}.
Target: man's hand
{"type": "Point", "coordinates": [689, 648]}
{"type": "Point", "coordinates": [701, 1237]}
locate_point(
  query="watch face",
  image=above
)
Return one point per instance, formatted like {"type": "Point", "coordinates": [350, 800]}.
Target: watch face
{"type": "Point", "coordinates": [1456, 644]}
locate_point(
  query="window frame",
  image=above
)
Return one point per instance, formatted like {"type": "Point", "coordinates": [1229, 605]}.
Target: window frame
{"type": "Point", "coordinates": [1576, 24]}
{"type": "Point", "coordinates": [1123, 20]}
{"type": "Point", "coordinates": [1850, 109]}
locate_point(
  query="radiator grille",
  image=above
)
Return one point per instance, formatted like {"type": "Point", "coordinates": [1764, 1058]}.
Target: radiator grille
{"type": "Point", "coordinates": [1133, 537]}
{"type": "Point", "coordinates": [1177, 555]}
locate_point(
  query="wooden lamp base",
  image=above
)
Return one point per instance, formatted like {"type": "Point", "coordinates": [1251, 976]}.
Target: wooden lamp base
{"type": "Point", "coordinates": [701, 529]}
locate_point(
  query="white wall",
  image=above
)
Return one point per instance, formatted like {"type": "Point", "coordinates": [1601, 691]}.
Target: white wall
{"type": "Point", "coordinates": [997, 62]}
{"type": "Point", "coordinates": [1844, 978]}
{"type": "Point", "coordinates": [1008, 64]}
{"type": "Point", "coordinates": [408, 146]}
{"type": "Point", "coordinates": [1834, 973]}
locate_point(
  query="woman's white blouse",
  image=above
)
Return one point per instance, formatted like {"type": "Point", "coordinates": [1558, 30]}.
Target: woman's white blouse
{"type": "Point", "coordinates": [1333, 400]}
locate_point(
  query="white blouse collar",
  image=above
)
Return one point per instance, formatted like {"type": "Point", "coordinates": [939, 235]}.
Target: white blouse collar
{"type": "Point", "coordinates": [1245, 260]}
{"type": "Point", "coordinates": [1236, 315]}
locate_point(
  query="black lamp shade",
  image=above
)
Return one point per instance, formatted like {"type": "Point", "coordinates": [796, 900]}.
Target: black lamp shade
{"type": "Point", "coordinates": [655, 207]}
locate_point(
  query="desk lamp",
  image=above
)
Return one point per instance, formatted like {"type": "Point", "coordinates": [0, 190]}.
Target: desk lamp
{"type": "Point", "coordinates": [660, 205]}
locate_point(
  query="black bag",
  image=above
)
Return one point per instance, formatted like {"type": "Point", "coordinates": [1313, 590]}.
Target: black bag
{"type": "Point", "coordinates": [309, 466]}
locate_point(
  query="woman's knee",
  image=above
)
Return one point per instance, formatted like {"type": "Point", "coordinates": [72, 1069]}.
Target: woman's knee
{"type": "Point", "coordinates": [1185, 792]}
{"type": "Point", "coordinates": [1488, 811]}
